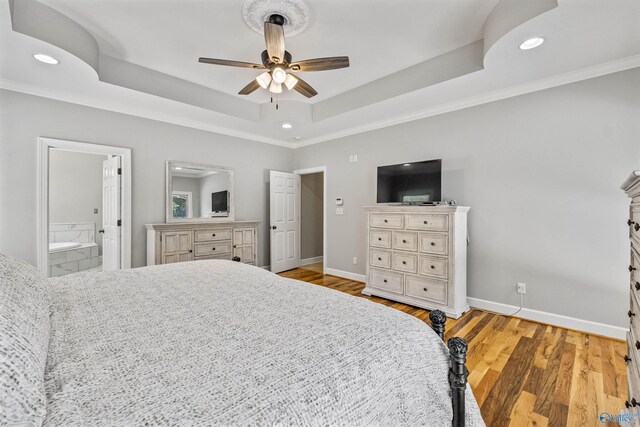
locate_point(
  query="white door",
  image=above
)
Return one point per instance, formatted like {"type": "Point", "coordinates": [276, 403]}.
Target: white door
{"type": "Point", "coordinates": [111, 214]}
{"type": "Point", "coordinates": [283, 190]}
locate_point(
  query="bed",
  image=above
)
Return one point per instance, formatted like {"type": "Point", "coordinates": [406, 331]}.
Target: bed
{"type": "Point", "coordinates": [216, 343]}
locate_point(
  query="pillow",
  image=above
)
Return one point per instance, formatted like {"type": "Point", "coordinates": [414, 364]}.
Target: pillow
{"type": "Point", "coordinates": [24, 340]}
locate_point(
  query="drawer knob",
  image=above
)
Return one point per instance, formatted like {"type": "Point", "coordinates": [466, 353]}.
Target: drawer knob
{"type": "Point", "coordinates": [190, 251]}
{"type": "Point", "coordinates": [631, 268]}
{"type": "Point", "coordinates": [385, 280]}
{"type": "Point", "coordinates": [627, 404]}
{"type": "Point", "coordinates": [637, 286]}
{"type": "Point", "coordinates": [433, 243]}
{"type": "Point", "coordinates": [379, 238]}
{"type": "Point", "coordinates": [386, 220]}
{"type": "Point", "coordinates": [630, 313]}
{"type": "Point", "coordinates": [426, 222]}
{"type": "Point", "coordinates": [213, 249]}
{"type": "Point", "coordinates": [627, 358]}
{"type": "Point", "coordinates": [404, 241]}
{"type": "Point", "coordinates": [634, 402]}
{"type": "Point", "coordinates": [379, 259]}
{"type": "Point", "coordinates": [213, 235]}
{"type": "Point", "coordinates": [433, 267]}
{"type": "Point", "coordinates": [636, 227]}
{"type": "Point", "coordinates": [404, 262]}
{"type": "Point", "coordinates": [638, 345]}
{"type": "Point", "coordinates": [629, 222]}
{"type": "Point", "coordinates": [425, 289]}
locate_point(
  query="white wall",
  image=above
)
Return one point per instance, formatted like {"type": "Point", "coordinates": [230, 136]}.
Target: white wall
{"type": "Point", "coordinates": [24, 118]}
{"type": "Point", "coordinates": [75, 189]}
{"type": "Point", "coordinates": [311, 215]}
{"type": "Point", "coordinates": [541, 173]}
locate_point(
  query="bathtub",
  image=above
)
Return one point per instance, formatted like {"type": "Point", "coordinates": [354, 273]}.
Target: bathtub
{"type": "Point", "coordinates": [63, 246]}
{"type": "Point", "coordinates": [72, 257]}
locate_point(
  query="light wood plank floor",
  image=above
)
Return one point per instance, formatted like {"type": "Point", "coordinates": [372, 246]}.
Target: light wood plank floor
{"type": "Point", "coordinates": [524, 373]}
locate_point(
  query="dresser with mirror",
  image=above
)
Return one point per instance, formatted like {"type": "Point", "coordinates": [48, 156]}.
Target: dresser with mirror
{"type": "Point", "coordinates": [200, 218]}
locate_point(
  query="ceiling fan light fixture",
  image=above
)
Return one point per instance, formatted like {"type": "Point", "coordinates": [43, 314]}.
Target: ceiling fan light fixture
{"type": "Point", "coordinates": [275, 87]}
{"type": "Point", "coordinates": [264, 79]}
{"type": "Point", "coordinates": [290, 81]}
{"type": "Point", "coordinates": [278, 75]}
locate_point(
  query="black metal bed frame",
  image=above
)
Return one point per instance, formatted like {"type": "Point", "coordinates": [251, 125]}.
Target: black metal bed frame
{"type": "Point", "coordinates": [458, 371]}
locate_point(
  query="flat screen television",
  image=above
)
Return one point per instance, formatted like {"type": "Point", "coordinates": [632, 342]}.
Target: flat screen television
{"type": "Point", "coordinates": [410, 183]}
{"type": "Point", "coordinates": [220, 201]}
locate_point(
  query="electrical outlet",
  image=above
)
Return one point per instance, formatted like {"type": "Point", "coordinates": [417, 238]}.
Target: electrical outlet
{"type": "Point", "coordinates": [351, 159]}
{"type": "Point", "coordinates": [95, 210]}
{"type": "Point", "coordinates": [339, 211]}
{"type": "Point", "coordinates": [355, 158]}
{"type": "Point", "coordinates": [522, 288]}
{"type": "Point", "coordinates": [355, 259]}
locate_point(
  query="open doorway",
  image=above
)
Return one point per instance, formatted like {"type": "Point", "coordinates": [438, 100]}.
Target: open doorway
{"type": "Point", "coordinates": [312, 219]}
{"type": "Point", "coordinates": [84, 207]}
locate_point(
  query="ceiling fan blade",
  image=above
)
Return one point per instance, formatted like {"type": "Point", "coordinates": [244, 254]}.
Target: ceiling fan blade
{"type": "Point", "coordinates": [304, 88]}
{"type": "Point", "coordinates": [249, 88]}
{"type": "Point", "coordinates": [274, 37]}
{"type": "Point", "coordinates": [231, 63]}
{"type": "Point", "coordinates": [321, 64]}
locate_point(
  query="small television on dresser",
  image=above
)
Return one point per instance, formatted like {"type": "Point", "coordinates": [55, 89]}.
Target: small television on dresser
{"type": "Point", "coordinates": [415, 183]}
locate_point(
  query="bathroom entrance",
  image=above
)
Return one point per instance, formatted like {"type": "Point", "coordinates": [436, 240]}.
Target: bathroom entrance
{"type": "Point", "coordinates": [86, 205]}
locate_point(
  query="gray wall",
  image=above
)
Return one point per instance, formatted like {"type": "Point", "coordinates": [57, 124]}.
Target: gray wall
{"type": "Point", "coordinates": [75, 188]}
{"type": "Point", "coordinates": [311, 215]}
{"type": "Point", "coordinates": [542, 175]}
{"type": "Point", "coordinates": [24, 118]}
{"type": "Point", "coordinates": [212, 184]}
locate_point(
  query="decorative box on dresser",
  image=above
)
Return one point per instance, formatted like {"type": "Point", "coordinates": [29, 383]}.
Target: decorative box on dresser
{"type": "Point", "coordinates": [632, 187]}
{"type": "Point", "coordinates": [418, 255]}
{"type": "Point", "coordinates": [184, 241]}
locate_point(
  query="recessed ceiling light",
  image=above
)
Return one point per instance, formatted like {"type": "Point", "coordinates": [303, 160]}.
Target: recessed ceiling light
{"type": "Point", "coordinates": [531, 43]}
{"type": "Point", "coordinates": [287, 126]}
{"type": "Point", "coordinates": [407, 164]}
{"type": "Point", "coordinates": [46, 59]}
{"type": "Point", "coordinates": [178, 168]}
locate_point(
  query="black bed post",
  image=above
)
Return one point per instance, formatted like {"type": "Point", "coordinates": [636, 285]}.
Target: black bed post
{"type": "Point", "coordinates": [438, 319]}
{"type": "Point", "coordinates": [458, 378]}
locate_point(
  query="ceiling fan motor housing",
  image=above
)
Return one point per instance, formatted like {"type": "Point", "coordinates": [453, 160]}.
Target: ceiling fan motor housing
{"type": "Point", "coordinates": [266, 61]}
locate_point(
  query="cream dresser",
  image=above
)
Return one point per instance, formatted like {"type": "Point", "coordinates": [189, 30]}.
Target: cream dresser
{"type": "Point", "coordinates": [632, 187]}
{"type": "Point", "coordinates": [184, 241]}
{"type": "Point", "coordinates": [418, 255]}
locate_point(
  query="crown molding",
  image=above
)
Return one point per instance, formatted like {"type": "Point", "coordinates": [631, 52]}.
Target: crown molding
{"type": "Point", "coordinates": [535, 86]}
{"type": "Point", "coordinates": [122, 108]}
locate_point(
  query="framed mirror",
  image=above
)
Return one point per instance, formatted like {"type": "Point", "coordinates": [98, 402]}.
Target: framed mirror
{"type": "Point", "coordinates": [198, 192]}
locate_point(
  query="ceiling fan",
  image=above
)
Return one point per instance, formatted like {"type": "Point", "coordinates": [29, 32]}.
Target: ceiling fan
{"type": "Point", "coordinates": [278, 63]}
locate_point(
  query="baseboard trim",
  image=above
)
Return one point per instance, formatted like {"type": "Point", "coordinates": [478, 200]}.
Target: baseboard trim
{"type": "Point", "coordinates": [313, 260]}
{"type": "Point", "coordinates": [346, 274]}
{"type": "Point", "coordinates": [266, 267]}
{"type": "Point", "coordinates": [567, 322]}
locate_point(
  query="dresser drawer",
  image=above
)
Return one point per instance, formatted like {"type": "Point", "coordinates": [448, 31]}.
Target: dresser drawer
{"type": "Point", "coordinates": [386, 280]}
{"type": "Point", "coordinates": [434, 267]}
{"type": "Point", "coordinates": [634, 225]}
{"type": "Point", "coordinates": [437, 244]}
{"type": "Point", "coordinates": [378, 258]}
{"type": "Point", "coordinates": [405, 262]}
{"type": "Point", "coordinates": [213, 248]}
{"type": "Point", "coordinates": [428, 289]}
{"type": "Point", "coordinates": [383, 220]}
{"type": "Point", "coordinates": [221, 256]}
{"type": "Point", "coordinates": [212, 235]}
{"type": "Point", "coordinates": [405, 240]}
{"type": "Point", "coordinates": [634, 315]}
{"type": "Point", "coordinates": [427, 222]}
{"type": "Point", "coordinates": [380, 239]}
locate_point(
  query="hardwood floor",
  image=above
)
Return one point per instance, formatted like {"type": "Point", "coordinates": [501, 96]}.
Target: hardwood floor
{"type": "Point", "coordinates": [524, 373]}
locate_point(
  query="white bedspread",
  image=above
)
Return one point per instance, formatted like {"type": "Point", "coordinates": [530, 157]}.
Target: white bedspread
{"type": "Point", "coordinates": [221, 343]}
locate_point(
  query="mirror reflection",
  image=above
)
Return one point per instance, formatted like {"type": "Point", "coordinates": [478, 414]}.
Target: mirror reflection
{"type": "Point", "coordinates": [199, 192]}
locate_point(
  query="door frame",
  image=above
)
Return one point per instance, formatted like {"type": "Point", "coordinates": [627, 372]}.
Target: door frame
{"type": "Point", "coordinates": [44, 144]}
{"type": "Point", "coordinates": [309, 171]}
